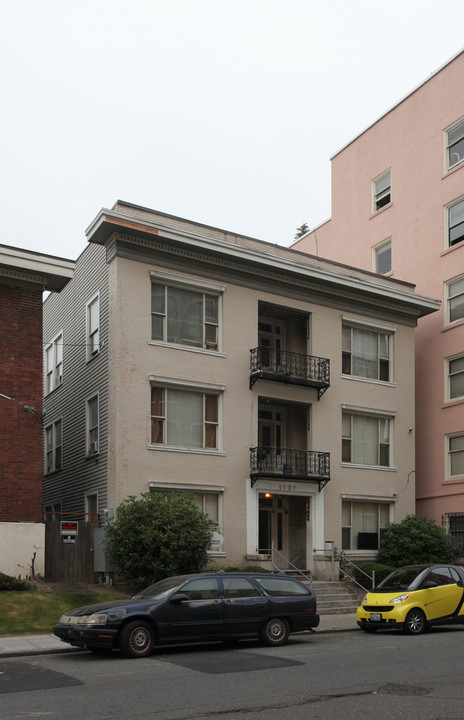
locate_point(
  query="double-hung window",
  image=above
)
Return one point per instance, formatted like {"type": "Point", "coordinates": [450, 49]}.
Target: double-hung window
{"type": "Point", "coordinates": [455, 448]}
{"type": "Point", "coordinates": [454, 139]}
{"type": "Point", "coordinates": [362, 524]}
{"type": "Point", "coordinates": [54, 446]}
{"type": "Point", "coordinates": [455, 377]}
{"type": "Point", "coordinates": [366, 439]}
{"type": "Point", "coordinates": [454, 525]}
{"type": "Point", "coordinates": [185, 418]}
{"type": "Point", "coordinates": [367, 352]}
{"type": "Point", "coordinates": [381, 191]}
{"type": "Point", "coordinates": [92, 420]}
{"type": "Point", "coordinates": [454, 294]}
{"type": "Point", "coordinates": [455, 223]}
{"type": "Point", "coordinates": [93, 327]}
{"type": "Point", "coordinates": [53, 363]}
{"type": "Point", "coordinates": [185, 314]}
{"type": "Point", "coordinates": [382, 257]}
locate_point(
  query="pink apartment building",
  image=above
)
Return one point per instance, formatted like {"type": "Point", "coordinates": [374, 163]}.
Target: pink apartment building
{"type": "Point", "coordinates": [398, 210]}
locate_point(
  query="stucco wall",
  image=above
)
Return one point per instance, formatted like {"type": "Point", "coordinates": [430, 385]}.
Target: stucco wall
{"type": "Point", "coordinates": [18, 543]}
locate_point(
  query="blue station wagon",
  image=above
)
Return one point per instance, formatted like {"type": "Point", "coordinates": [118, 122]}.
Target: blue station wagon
{"type": "Point", "coordinates": [191, 608]}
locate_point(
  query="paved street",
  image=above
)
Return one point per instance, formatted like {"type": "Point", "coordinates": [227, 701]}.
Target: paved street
{"type": "Point", "coordinates": [321, 675]}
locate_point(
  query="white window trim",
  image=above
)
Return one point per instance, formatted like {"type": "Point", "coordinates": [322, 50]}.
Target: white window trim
{"type": "Point", "coordinates": [375, 180]}
{"type": "Point", "coordinates": [53, 344]}
{"type": "Point", "coordinates": [52, 425]}
{"type": "Point", "coordinates": [187, 283]}
{"type": "Point", "coordinates": [446, 209]}
{"type": "Point", "coordinates": [447, 283]}
{"type": "Point", "coordinates": [90, 452]}
{"type": "Point", "coordinates": [379, 414]}
{"type": "Point", "coordinates": [446, 165]}
{"type": "Point", "coordinates": [200, 387]}
{"type": "Point", "coordinates": [89, 354]}
{"type": "Point", "coordinates": [375, 249]}
{"type": "Point", "coordinates": [354, 321]}
{"type": "Point", "coordinates": [447, 383]}
{"type": "Point", "coordinates": [448, 477]}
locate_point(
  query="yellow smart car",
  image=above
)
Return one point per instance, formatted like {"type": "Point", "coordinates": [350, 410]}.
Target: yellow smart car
{"type": "Point", "coordinates": [414, 598]}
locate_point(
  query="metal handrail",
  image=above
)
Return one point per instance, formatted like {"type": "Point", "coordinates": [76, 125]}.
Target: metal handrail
{"type": "Point", "coordinates": [275, 567]}
{"type": "Point", "coordinates": [345, 562]}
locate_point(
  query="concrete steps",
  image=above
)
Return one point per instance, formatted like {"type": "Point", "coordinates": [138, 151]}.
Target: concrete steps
{"type": "Point", "coordinates": [336, 598]}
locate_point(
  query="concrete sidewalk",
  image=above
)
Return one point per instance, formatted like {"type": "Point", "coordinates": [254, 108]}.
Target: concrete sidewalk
{"type": "Point", "coordinates": [42, 644]}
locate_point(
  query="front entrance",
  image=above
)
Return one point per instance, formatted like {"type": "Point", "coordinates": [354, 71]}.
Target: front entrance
{"type": "Point", "coordinates": [283, 524]}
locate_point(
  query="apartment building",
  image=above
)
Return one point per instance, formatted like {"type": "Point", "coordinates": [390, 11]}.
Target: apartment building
{"type": "Point", "coordinates": [199, 360]}
{"type": "Point", "coordinates": [24, 275]}
{"type": "Point", "coordinates": [398, 210]}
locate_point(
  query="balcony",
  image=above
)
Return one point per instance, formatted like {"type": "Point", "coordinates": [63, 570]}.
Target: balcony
{"type": "Point", "coordinates": [282, 463]}
{"type": "Point", "coordinates": [289, 367]}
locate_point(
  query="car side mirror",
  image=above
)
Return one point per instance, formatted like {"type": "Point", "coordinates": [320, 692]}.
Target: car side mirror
{"type": "Point", "coordinates": [178, 597]}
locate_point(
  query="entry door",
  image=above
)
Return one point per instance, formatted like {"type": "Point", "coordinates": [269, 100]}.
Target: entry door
{"type": "Point", "coordinates": [273, 525]}
{"type": "Point", "coordinates": [271, 334]}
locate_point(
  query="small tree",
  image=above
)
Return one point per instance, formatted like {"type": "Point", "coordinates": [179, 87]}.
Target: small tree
{"type": "Point", "coordinates": [416, 540]}
{"type": "Point", "coordinates": [302, 230]}
{"type": "Point", "coordinates": [158, 535]}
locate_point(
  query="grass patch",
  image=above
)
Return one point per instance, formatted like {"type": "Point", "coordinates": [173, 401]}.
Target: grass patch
{"type": "Point", "coordinates": [35, 613]}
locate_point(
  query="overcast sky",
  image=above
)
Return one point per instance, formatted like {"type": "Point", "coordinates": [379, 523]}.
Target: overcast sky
{"type": "Point", "coordinates": [224, 112]}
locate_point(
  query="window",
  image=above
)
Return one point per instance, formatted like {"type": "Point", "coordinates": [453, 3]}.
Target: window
{"type": "Point", "coordinates": [455, 144]}
{"type": "Point", "coordinates": [93, 327]}
{"type": "Point", "coordinates": [52, 512]}
{"type": "Point", "coordinates": [53, 363]}
{"type": "Point", "coordinates": [281, 587]}
{"type": "Point", "coordinates": [456, 378]}
{"type": "Point", "coordinates": [455, 223]}
{"type": "Point", "coordinates": [366, 353]}
{"type": "Point", "coordinates": [184, 418]}
{"type": "Point", "coordinates": [92, 426]}
{"type": "Point", "coordinates": [184, 316]}
{"type": "Point", "coordinates": [362, 524]}
{"type": "Point", "coordinates": [454, 525]}
{"type": "Point", "coordinates": [237, 587]}
{"type": "Point", "coordinates": [54, 446]}
{"type": "Point", "coordinates": [455, 456]}
{"type": "Point", "coordinates": [208, 503]}
{"type": "Point", "coordinates": [382, 257]}
{"type": "Point", "coordinates": [201, 589]}
{"type": "Point", "coordinates": [455, 299]}
{"type": "Point", "coordinates": [366, 439]}
{"type": "Point", "coordinates": [381, 191]}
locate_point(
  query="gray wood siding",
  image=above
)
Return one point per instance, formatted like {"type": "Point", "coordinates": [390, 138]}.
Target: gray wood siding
{"type": "Point", "coordinates": [66, 311]}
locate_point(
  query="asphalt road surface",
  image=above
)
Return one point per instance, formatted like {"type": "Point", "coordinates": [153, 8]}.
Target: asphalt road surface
{"type": "Point", "coordinates": [318, 676]}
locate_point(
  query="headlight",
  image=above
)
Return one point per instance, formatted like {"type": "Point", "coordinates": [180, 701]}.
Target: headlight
{"type": "Point", "coordinates": [400, 598]}
{"type": "Point", "coordinates": [364, 600]}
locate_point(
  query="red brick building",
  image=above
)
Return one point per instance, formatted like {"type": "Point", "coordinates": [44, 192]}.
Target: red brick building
{"type": "Point", "coordinates": [24, 276]}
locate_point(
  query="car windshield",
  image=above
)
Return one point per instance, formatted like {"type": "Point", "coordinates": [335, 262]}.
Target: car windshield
{"type": "Point", "coordinates": [402, 579]}
{"type": "Point", "coordinates": [160, 589]}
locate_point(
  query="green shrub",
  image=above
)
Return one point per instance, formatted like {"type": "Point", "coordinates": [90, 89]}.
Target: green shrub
{"type": "Point", "coordinates": [157, 535]}
{"type": "Point", "coordinates": [381, 572]}
{"type": "Point", "coordinates": [11, 583]}
{"type": "Point", "coordinates": [414, 541]}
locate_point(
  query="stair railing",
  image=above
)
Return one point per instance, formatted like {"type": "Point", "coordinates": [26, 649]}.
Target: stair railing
{"type": "Point", "coordinates": [274, 553]}
{"type": "Point", "coordinates": [344, 562]}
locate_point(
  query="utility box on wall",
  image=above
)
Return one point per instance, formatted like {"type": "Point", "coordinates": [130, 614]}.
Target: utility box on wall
{"type": "Point", "coordinates": [101, 561]}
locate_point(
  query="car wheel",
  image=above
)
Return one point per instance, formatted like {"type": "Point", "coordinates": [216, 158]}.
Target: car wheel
{"type": "Point", "coordinates": [368, 628]}
{"type": "Point", "coordinates": [275, 632]}
{"type": "Point", "coordinates": [415, 622]}
{"type": "Point", "coordinates": [136, 639]}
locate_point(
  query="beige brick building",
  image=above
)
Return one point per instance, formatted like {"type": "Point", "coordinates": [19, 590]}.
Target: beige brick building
{"type": "Point", "coordinates": [276, 387]}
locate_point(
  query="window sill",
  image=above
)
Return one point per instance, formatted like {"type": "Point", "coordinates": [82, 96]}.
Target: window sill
{"type": "Point", "coordinates": [375, 213]}
{"type": "Point", "coordinates": [372, 381]}
{"type": "Point", "coordinates": [213, 553]}
{"type": "Point", "coordinates": [92, 357]}
{"type": "Point", "coordinates": [368, 467]}
{"type": "Point", "coordinates": [453, 169]}
{"type": "Point", "coordinates": [57, 387]}
{"type": "Point", "coordinates": [453, 402]}
{"type": "Point", "coordinates": [191, 451]}
{"type": "Point", "coordinates": [92, 456]}
{"type": "Point", "coordinates": [450, 326]}
{"type": "Point", "coordinates": [187, 348]}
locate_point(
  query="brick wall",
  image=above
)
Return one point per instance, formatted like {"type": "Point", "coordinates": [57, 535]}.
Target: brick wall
{"type": "Point", "coordinates": [20, 379]}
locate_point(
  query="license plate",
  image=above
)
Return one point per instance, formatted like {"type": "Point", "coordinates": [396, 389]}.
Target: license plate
{"type": "Point", "coordinates": [376, 617]}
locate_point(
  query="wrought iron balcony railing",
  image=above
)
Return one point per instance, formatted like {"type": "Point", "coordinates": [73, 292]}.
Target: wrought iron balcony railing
{"type": "Point", "coordinates": [280, 463]}
{"type": "Point", "coordinates": [289, 367]}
